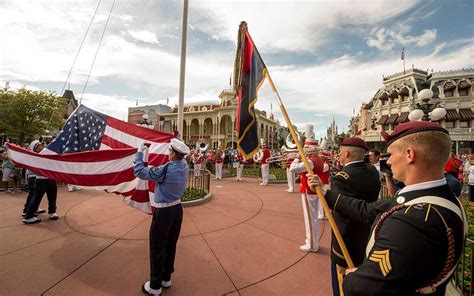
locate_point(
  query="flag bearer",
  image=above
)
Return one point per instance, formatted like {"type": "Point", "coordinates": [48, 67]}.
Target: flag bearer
{"type": "Point", "coordinates": [168, 215]}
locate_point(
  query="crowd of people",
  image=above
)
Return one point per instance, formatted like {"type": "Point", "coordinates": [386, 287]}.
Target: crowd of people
{"type": "Point", "coordinates": [419, 170]}
{"type": "Point", "coordinates": [36, 186]}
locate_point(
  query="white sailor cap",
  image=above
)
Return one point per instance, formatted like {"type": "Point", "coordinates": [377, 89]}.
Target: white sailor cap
{"type": "Point", "coordinates": [33, 145]}
{"type": "Point", "coordinates": [179, 146]}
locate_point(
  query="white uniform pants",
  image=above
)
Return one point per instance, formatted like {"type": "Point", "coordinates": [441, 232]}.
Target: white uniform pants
{"type": "Point", "coordinates": [310, 213]}
{"type": "Point", "coordinates": [265, 170]}
{"type": "Point", "coordinates": [240, 168]}
{"type": "Point", "coordinates": [219, 170]}
{"type": "Point", "coordinates": [321, 214]}
{"type": "Point", "coordinates": [197, 169]}
{"type": "Point", "coordinates": [290, 177]}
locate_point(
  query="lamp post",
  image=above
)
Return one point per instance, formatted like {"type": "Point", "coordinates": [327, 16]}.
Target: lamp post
{"type": "Point", "coordinates": [426, 110]}
{"type": "Point", "coordinates": [145, 122]}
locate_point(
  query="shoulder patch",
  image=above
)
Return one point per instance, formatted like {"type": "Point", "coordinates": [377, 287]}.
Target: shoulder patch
{"type": "Point", "coordinates": [382, 258]}
{"type": "Point", "coordinates": [343, 175]}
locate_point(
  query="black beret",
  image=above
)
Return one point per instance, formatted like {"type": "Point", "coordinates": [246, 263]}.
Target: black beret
{"type": "Point", "coordinates": [409, 128]}
{"type": "Point", "coordinates": [355, 142]}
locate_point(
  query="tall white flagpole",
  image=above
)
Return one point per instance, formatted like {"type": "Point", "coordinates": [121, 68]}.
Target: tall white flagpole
{"type": "Point", "coordinates": [182, 70]}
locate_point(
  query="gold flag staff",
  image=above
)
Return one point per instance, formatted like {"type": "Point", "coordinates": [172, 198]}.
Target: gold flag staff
{"type": "Point", "coordinates": [318, 190]}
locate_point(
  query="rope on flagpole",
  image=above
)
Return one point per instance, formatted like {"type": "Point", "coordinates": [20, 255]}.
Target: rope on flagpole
{"type": "Point", "coordinates": [318, 190]}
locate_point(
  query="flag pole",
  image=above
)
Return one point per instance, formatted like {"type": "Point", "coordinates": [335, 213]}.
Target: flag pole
{"type": "Point", "coordinates": [182, 70]}
{"type": "Point", "coordinates": [318, 190]}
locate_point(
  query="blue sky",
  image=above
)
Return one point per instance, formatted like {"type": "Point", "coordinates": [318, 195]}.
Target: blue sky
{"type": "Point", "coordinates": [325, 57]}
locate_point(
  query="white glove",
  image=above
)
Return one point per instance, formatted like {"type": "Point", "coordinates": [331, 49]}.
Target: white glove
{"type": "Point", "coordinates": [143, 147]}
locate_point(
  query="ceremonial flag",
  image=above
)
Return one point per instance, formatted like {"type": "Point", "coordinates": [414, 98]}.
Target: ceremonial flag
{"type": "Point", "coordinates": [250, 74]}
{"type": "Point", "coordinates": [97, 151]}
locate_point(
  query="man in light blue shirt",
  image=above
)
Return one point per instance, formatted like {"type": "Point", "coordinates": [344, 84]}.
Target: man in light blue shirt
{"type": "Point", "coordinates": [168, 215]}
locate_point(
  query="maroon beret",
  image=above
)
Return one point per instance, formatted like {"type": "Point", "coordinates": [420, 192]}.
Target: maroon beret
{"type": "Point", "coordinates": [409, 128]}
{"type": "Point", "coordinates": [354, 142]}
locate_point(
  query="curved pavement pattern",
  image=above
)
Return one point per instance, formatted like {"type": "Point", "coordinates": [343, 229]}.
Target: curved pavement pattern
{"type": "Point", "coordinates": [245, 241]}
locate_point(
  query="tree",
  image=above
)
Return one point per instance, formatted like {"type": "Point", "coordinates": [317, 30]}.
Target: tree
{"type": "Point", "coordinates": [26, 113]}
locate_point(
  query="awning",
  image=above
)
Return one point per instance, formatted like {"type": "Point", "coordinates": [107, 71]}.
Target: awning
{"type": "Point", "coordinates": [404, 91]}
{"type": "Point", "coordinates": [449, 85]}
{"type": "Point", "coordinates": [392, 119]}
{"type": "Point", "coordinates": [452, 115]}
{"type": "Point", "coordinates": [402, 118]}
{"type": "Point", "coordinates": [466, 114]}
{"type": "Point", "coordinates": [464, 84]}
{"type": "Point", "coordinates": [382, 119]}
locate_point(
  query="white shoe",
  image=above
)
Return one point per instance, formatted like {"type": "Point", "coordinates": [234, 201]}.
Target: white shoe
{"type": "Point", "coordinates": [53, 216]}
{"type": "Point", "coordinates": [149, 291]}
{"type": "Point", "coordinates": [166, 284]}
{"type": "Point", "coordinates": [289, 190]}
{"type": "Point", "coordinates": [307, 249]}
{"type": "Point", "coordinates": [33, 220]}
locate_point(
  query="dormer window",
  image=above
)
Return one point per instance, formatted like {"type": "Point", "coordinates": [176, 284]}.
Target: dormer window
{"type": "Point", "coordinates": [449, 89]}
{"type": "Point", "coordinates": [463, 88]}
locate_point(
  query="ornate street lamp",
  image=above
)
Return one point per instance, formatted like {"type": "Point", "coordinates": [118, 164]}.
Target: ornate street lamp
{"type": "Point", "coordinates": [145, 122]}
{"type": "Point", "coordinates": [426, 110]}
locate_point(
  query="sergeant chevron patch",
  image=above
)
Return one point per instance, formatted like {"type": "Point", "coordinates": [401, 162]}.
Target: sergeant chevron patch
{"type": "Point", "coordinates": [343, 174]}
{"type": "Point", "coordinates": [383, 259]}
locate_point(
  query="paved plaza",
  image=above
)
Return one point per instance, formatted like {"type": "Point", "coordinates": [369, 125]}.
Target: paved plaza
{"type": "Point", "coordinates": [245, 241]}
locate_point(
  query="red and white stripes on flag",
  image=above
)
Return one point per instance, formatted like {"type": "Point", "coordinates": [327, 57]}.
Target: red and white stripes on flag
{"type": "Point", "coordinates": [110, 168]}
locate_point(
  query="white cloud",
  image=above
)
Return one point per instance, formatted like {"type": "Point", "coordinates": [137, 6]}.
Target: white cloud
{"type": "Point", "coordinates": [295, 26]}
{"type": "Point", "coordinates": [385, 39]}
{"type": "Point", "coordinates": [144, 35]}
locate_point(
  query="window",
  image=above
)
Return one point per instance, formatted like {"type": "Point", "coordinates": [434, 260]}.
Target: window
{"type": "Point", "coordinates": [449, 92]}
{"type": "Point", "coordinates": [464, 123]}
{"type": "Point", "coordinates": [463, 92]}
{"type": "Point", "coordinates": [449, 124]}
{"type": "Point", "coordinates": [402, 98]}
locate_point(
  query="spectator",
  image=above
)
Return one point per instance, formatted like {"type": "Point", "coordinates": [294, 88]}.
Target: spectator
{"type": "Point", "coordinates": [453, 165]}
{"type": "Point", "coordinates": [469, 170]}
{"type": "Point", "coordinates": [8, 169]}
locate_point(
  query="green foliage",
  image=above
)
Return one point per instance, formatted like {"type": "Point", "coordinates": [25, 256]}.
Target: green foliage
{"type": "Point", "coordinates": [464, 275]}
{"type": "Point", "coordinates": [193, 194]}
{"type": "Point", "coordinates": [26, 113]}
{"type": "Point", "coordinates": [279, 174]}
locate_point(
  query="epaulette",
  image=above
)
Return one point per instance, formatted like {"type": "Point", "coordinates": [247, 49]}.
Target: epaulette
{"type": "Point", "coordinates": [343, 175]}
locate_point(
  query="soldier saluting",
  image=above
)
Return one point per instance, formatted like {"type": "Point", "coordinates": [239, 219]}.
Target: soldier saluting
{"type": "Point", "coordinates": [417, 237]}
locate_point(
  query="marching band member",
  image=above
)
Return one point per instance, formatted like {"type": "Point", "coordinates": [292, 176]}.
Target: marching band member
{"type": "Point", "coordinates": [219, 162]}
{"type": "Point", "coordinates": [309, 198]}
{"type": "Point", "coordinates": [263, 160]}
{"type": "Point", "coordinates": [290, 178]}
{"type": "Point", "coordinates": [239, 159]}
{"type": "Point", "coordinates": [197, 159]}
{"type": "Point", "coordinates": [326, 157]}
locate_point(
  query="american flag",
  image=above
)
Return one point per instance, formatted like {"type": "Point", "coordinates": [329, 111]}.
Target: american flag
{"type": "Point", "coordinates": [97, 151]}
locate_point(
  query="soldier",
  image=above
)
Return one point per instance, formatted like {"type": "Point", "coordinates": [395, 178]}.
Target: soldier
{"type": "Point", "coordinates": [417, 237]}
{"type": "Point", "coordinates": [263, 161]}
{"type": "Point", "coordinates": [309, 199]}
{"type": "Point", "coordinates": [358, 180]}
